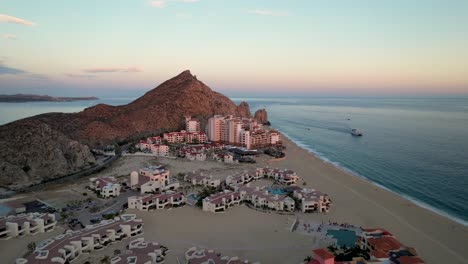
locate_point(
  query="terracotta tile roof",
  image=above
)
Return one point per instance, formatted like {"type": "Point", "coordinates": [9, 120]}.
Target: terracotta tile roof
{"type": "Point", "coordinates": [323, 253]}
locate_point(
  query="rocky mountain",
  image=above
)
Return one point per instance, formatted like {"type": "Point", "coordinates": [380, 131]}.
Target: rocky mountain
{"type": "Point", "coordinates": [55, 144]}
{"type": "Point", "coordinates": [261, 116]}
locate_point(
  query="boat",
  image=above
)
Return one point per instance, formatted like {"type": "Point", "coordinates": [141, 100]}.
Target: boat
{"type": "Point", "coordinates": [356, 132]}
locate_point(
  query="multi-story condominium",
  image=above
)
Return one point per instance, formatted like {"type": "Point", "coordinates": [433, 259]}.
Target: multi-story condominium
{"type": "Point", "coordinates": [201, 256]}
{"type": "Point", "coordinates": [240, 131]}
{"type": "Point", "coordinates": [26, 224]}
{"type": "Point", "coordinates": [221, 201]}
{"type": "Point", "coordinates": [198, 178]}
{"type": "Point", "coordinates": [240, 179]}
{"type": "Point", "coordinates": [262, 198]}
{"type": "Point", "coordinates": [285, 177]}
{"type": "Point", "coordinates": [312, 200]}
{"type": "Point", "coordinates": [215, 128]}
{"type": "Point", "coordinates": [193, 155]}
{"type": "Point", "coordinates": [157, 149]}
{"type": "Point", "coordinates": [156, 201]}
{"type": "Point", "coordinates": [192, 124]}
{"type": "Point", "coordinates": [185, 137]}
{"type": "Point", "coordinates": [139, 251]}
{"type": "Point", "coordinates": [67, 247]}
{"type": "Point", "coordinates": [384, 247]}
{"type": "Point", "coordinates": [153, 179]}
{"type": "Point", "coordinates": [105, 186]}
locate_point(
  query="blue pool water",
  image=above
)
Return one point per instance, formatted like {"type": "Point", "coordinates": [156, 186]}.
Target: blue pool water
{"type": "Point", "coordinates": [4, 210]}
{"type": "Point", "coordinates": [344, 237]}
{"type": "Point", "coordinates": [275, 190]}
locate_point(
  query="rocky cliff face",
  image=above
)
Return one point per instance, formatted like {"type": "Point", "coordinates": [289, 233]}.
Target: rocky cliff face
{"type": "Point", "coordinates": [54, 144]}
{"type": "Point", "coordinates": [31, 152]}
{"type": "Point", "coordinates": [261, 116]}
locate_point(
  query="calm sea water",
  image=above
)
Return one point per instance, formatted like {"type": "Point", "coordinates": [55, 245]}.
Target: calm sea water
{"type": "Point", "coordinates": [413, 146]}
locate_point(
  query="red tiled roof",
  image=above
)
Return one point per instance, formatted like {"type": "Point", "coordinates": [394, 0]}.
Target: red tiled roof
{"type": "Point", "coordinates": [385, 243]}
{"type": "Point", "coordinates": [323, 253]}
{"type": "Point", "coordinates": [411, 260]}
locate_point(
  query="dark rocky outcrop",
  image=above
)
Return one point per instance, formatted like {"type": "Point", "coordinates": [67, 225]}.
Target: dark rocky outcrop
{"type": "Point", "coordinates": [261, 116]}
{"type": "Point", "coordinates": [55, 144]}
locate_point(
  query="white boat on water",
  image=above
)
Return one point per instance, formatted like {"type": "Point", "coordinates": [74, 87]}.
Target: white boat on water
{"type": "Point", "coordinates": [356, 132]}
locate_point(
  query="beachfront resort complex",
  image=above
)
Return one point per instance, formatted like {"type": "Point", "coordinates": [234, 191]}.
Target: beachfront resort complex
{"type": "Point", "coordinates": [154, 189]}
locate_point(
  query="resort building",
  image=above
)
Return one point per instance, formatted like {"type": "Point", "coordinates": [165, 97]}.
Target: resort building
{"type": "Point", "coordinates": [225, 157]}
{"type": "Point", "coordinates": [105, 187]}
{"type": "Point", "coordinates": [262, 198]}
{"type": "Point", "coordinates": [70, 245]}
{"type": "Point", "coordinates": [192, 124]}
{"type": "Point", "coordinates": [26, 224]}
{"type": "Point", "coordinates": [240, 131]}
{"type": "Point", "coordinates": [285, 177]}
{"type": "Point", "coordinates": [198, 178]}
{"type": "Point", "coordinates": [201, 256]}
{"type": "Point", "coordinates": [384, 247]}
{"type": "Point", "coordinates": [156, 201]}
{"type": "Point", "coordinates": [194, 155]}
{"type": "Point", "coordinates": [239, 179]}
{"type": "Point", "coordinates": [157, 149]}
{"type": "Point", "coordinates": [139, 251]}
{"type": "Point", "coordinates": [153, 179]}
{"type": "Point", "coordinates": [220, 202]}
{"type": "Point", "coordinates": [185, 137]}
{"type": "Point", "coordinates": [312, 200]}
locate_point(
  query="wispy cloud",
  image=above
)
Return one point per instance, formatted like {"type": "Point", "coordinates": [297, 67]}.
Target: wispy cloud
{"type": "Point", "coordinates": [262, 12]}
{"type": "Point", "coordinates": [88, 76]}
{"type": "Point", "coordinates": [15, 20]}
{"type": "Point", "coordinates": [9, 70]}
{"type": "Point", "coordinates": [164, 3]}
{"type": "Point", "coordinates": [113, 69]}
{"type": "Point", "coordinates": [10, 37]}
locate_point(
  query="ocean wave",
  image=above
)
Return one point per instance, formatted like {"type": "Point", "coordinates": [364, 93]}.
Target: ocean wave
{"type": "Point", "coordinates": [338, 165]}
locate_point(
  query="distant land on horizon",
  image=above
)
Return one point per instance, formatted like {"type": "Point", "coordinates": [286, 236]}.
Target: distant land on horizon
{"type": "Point", "coordinates": [21, 98]}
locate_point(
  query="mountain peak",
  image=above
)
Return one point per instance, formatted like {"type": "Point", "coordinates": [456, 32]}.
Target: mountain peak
{"type": "Point", "coordinates": [185, 75]}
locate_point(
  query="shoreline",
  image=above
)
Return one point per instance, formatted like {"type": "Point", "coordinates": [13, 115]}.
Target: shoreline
{"type": "Point", "coordinates": [413, 200]}
{"type": "Point", "coordinates": [359, 201]}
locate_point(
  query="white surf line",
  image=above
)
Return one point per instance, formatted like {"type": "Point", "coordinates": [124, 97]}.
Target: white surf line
{"type": "Point", "coordinates": [462, 259]}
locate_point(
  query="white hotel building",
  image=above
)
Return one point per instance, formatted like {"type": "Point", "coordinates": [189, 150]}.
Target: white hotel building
{"type": "Point", "coordinates": [153, 179]}
{"type": "Point", "coordinates": [220, 202]}
{"type": "Point", "coordinates": [105, 186]}
{"type": "Point", "coordinates": [156, 201]}
{"type": "Point", "coordinates": [26, 224]}
{"type": "Point", "coordinates": [67, 247]}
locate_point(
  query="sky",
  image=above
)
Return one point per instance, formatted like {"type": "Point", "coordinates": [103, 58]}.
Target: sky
{"type": "Point", "coordinates": [238, 47]}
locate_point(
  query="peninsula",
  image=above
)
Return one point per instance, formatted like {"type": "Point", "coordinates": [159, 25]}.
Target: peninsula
{"type": "Point", "coordinates": [22, 98]}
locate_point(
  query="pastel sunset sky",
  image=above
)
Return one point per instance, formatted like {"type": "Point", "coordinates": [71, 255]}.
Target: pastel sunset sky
{"type": "Point", "coordinates": [358, 47]}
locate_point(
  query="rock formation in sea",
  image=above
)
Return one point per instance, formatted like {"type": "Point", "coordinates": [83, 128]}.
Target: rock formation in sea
{"type": "Point", "coordinates": [55, 144]}
{"type": "Point", "coordinates": [261, 116]}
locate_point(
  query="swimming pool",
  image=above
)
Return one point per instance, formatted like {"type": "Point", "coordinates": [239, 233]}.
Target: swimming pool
{"type": "Point", "coordinates": [276, 190]}
{"type": "Point", "coordinates": [343, 237]}
{"type": "Point", "coordinates": [4, 210]}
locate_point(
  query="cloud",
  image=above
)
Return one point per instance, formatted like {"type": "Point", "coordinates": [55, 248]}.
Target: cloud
{"type": "Point", "coordinates": [268, 12]}
{"type": "Point", "coordinates": [164, 3]}
{"type": "Point", "coordinates": [113, 69]}
{"type": "Point", "coordinates": [15, 20]}
{"type": "Point", "coordinates": [10, 37]}
{"type": "Point", "coordinates": [71, 75]}
{"type": "Point", "coordinates": [9, 70]}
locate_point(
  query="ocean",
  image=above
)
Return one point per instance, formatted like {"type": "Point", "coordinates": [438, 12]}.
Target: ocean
{"type": "Point", "coordinates": [415, 147]}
